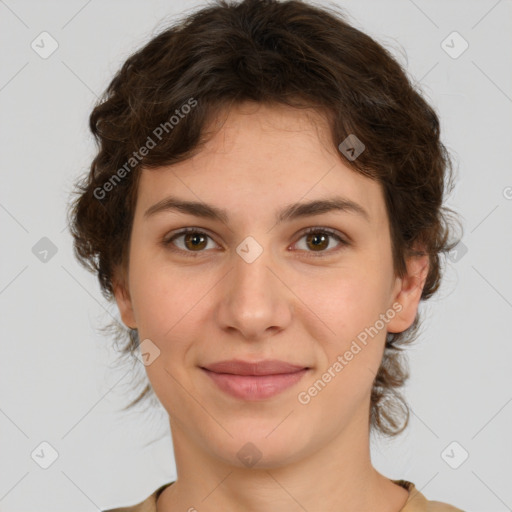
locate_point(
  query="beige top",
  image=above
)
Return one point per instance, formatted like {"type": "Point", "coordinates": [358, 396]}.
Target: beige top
{"type": "Point", "coordinates": [415, 503]}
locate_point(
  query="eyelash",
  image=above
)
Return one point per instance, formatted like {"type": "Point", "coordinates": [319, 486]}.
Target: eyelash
{"type": "Point", "coordinates": [168, 241]}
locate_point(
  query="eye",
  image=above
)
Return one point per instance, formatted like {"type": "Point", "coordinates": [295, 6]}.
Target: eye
{"type": "Point", "coordinates": [317, 240]}
{"type": "Point", "coordinates": [192, 240]}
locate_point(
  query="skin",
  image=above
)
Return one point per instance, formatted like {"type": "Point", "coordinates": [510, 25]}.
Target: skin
{"type": "Point", "coordinates": [289, 304]}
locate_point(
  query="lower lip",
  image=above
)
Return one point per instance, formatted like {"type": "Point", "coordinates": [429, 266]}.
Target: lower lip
{"type": "Point", "coordinates": [255, 387]}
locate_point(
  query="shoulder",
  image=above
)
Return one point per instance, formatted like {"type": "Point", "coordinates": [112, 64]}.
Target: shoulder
{"type": "Point", "coordinates": [148, 505]}
{"type": "Point", "coordinates": [437, 506]}
{"type": "Point", "coordinates": [417, 502]}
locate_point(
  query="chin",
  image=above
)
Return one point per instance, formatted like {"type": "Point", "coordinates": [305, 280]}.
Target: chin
{"type": "Point", "coordinates": [264, 448]}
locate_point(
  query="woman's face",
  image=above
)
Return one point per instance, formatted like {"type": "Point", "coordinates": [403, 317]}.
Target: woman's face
{"type": "Point", "coordinates": [252, 286]}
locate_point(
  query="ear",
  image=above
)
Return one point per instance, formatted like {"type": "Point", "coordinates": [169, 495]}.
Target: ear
{"type": "Point", "coordinates": [407, 292]}
{"type": "Point", "coordinates": [124, 302]}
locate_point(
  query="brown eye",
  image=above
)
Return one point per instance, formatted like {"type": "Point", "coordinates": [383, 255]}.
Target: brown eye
{"type": "Point", "coordinates": [188, 240]}
{"type": "Point", "coordinates": [318, 240]}
{"type": "Point", "coordinates": [195, 241]}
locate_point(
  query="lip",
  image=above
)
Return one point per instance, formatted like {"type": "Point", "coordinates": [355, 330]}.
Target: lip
{"type": "Point", "coordinates": [254, 380]}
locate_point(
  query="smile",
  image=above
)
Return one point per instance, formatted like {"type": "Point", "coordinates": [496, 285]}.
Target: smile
{"type": "Point", "coordinates": [254, 381]}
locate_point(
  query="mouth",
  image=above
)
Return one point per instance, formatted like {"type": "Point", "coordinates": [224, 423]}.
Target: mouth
{"type": "Point", "coordinates": [254, 380]}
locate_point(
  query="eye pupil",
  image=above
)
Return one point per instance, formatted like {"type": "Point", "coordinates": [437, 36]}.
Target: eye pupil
{"type": "Point", "coordinates": [196, 239]}
{"type": "Point", "coordinates": [318, 240]}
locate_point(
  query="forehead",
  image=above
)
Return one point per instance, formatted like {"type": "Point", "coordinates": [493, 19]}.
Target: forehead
{"type": "Point", "coordinates": [260, 157]}
{"type": "Point", "coordinates": [268, 131]}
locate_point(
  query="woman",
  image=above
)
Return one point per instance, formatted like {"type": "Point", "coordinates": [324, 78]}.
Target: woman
{"type": "Point", "coordinates": [266, 208]}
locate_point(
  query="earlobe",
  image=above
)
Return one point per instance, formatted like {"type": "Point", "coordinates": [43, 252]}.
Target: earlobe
{"type": "Point", "coordinates": [124, 303]}
{"type": "Point", "coordinates": [409, 293]}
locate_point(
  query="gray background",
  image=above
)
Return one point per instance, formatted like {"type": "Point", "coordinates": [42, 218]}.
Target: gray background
{"type": "Point", "coordinates": [58, 382]}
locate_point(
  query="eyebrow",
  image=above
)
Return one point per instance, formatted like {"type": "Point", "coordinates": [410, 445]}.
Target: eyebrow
{"type": "Point", "coordinates": [288, 213]}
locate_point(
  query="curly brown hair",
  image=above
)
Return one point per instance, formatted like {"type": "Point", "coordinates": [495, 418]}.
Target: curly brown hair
{"type": "Point", "coordinates": [270, 52]}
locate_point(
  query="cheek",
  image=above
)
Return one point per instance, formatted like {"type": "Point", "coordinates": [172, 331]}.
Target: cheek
{"type": "Point", "coordinates": [164, 297]}
{"type": "Point", "coordinates": [349, 357]}
{"type": "Point", "coordinates": [350, 303]}
{"type": "Point", "coordinates": [345, 301]}
{"type": "Point", "coordinates": [168, 303]}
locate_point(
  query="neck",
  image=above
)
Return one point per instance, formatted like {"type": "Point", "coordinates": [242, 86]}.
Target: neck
{"type": "Point", "coordinates": [338, 477]}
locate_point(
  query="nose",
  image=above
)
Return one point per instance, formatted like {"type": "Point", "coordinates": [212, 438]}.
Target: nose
{"type": "Point", "coordinates": [255, 301]}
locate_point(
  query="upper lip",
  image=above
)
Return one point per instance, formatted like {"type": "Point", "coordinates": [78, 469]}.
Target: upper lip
{"type": "Point", "coordinates": [266, 367]}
